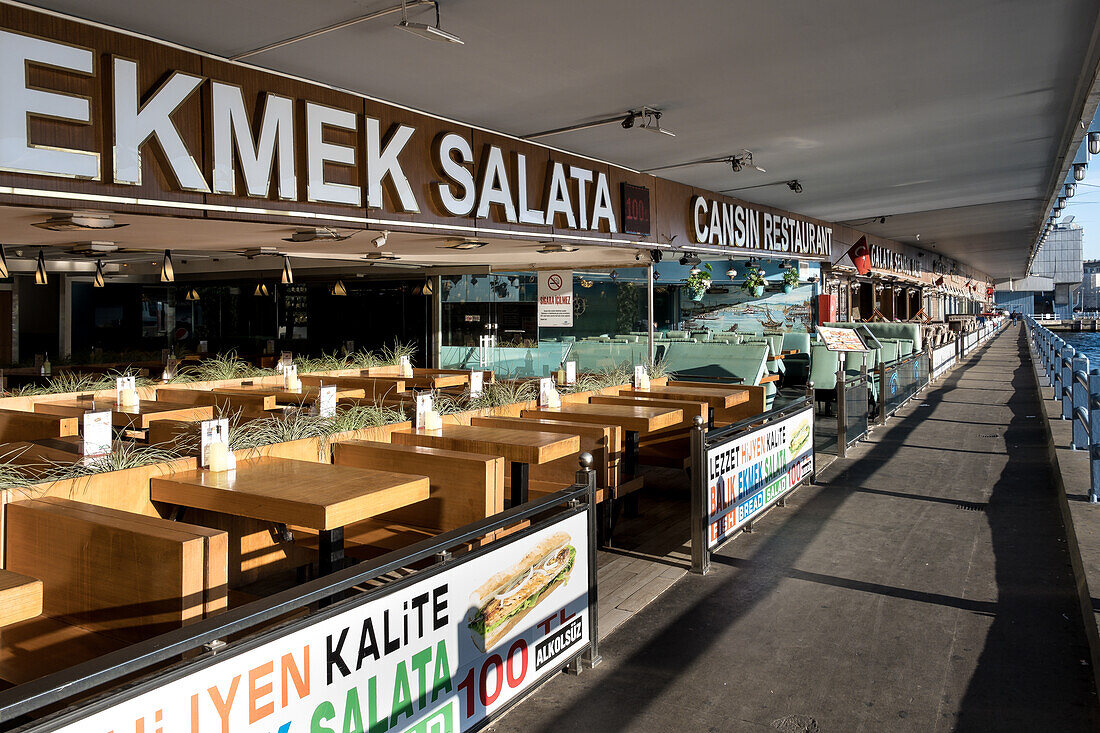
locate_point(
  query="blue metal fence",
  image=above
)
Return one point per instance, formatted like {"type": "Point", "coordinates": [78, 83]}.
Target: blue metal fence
{"type": "Point", "coordinates": [1077, 387]}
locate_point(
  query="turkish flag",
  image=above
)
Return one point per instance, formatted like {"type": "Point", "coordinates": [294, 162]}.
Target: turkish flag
{"type": "Point", "coordinates": [860, 254]}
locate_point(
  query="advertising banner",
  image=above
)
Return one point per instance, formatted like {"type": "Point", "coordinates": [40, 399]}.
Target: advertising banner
{"type": "Point", "coordinates": [556, 298]}
{"type": "Point", "coordinates": [750, 473]}
{"type": "Point", "coordinates": [439, 655]}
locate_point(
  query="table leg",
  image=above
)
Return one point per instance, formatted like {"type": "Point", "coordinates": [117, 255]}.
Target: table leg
{"type": "Point", "coordinates": [520, 482]}
{"type": "Point", "coordinates": [331, 546]}
{"type": "Point", "coordinates": [630, 454]}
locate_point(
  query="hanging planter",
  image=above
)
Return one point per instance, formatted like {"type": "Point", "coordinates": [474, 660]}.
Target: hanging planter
{"type": "Point", "coordinates": [790, 279]}
{"type": "Point", "coordinates": [698, 282]}
{"type": "Point", "coordinates": [754, 282]}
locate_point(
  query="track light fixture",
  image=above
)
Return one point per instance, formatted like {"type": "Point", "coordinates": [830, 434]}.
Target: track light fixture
{"type": "Point", "coordinates": [743, 160]}
{"type": "Point", "coordinates": [430, 32]}
{"type": "Point", "coordinates": [40, 276]}
{"type": "Point", "coordinates": [690, 259]}
{"type": "Point", "coordinates": [167, 270]}
{"type": "Point", "coordinates": [3, 263]}
{"type": "Point", "coordinates": [1079, 171]}
{"type": "Point", "coordinates": [288, 272]}
{"type": "Point", "coordinates": [97, 280]}
{"type": "Point", "coordinates": [794, 185]}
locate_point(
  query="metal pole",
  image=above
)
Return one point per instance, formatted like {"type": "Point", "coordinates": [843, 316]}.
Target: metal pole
{"type": "Point", "coordinates": [436, 346]}
{"type": "Point", "coordinates": [700, 554]}
{"type": "Point", "coordinates": [585, 475]}
{"type": "Point", "coordinates": [650, 313]}
{"type": "Point", "coordinates": [1079, 398]}
{"type": "Point", "coordinates": [881, 393]}
{"type": "Point", "coordinates": [841, 410]}
{"type": "Point", "coordinates": [1094, 436]}
{"type": "Point", "coordinates": [1065, 392]}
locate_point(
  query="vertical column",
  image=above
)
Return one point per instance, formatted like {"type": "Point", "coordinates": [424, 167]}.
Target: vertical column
{"type": "Point", "coordinates": [700, 554]}
{"type": "Point", "coordinates": [436, 323]}
{"type": "Point", "coordinates": [650, 313]}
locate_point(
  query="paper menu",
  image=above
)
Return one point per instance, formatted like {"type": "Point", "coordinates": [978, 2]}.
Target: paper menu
{"type": "Point", "coordinates": [477, 383]}
{"type": "Point", "coordinates": [641, 377]}
{"type": "Point", "coordinates": [423, 407]}
{"type": "Point", "coordinates": [97, 434]}
{"type": "Point", "coordinates": [327, 401]}
{"type": "Point", "coordinates": [570, 372]}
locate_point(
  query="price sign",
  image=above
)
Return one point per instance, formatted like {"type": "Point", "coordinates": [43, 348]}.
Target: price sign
{"type": "Point", "coordinates": [97, 434]}
{"type": "Point", "coordinates": [327, 401]}
{"type": "Point", "coordinates": [570, 372]}
{"type": "Point", "coordinates": [477, 382]}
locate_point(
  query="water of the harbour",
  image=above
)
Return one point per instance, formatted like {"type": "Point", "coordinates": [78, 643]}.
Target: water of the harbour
{"type": "Point", "coordinates": [1089, 343]}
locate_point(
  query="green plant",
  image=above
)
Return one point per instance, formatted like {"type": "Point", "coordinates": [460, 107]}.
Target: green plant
{"type": "Point", "coordinates": [754, 278]}
{"type": "Point", "coordinates": [790, 277]}
{"type": "Point", "coordinates": [699, 281]}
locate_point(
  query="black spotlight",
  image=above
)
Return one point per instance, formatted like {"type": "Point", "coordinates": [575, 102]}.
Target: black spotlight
{"type": "Point", "coordinates": [689, 259]}
{"type": "Point", "coordinates": [656, 255]}
{"type": "Point", "coordinates": [628, 121]}
{"type": "Point", "coordinates": [795, 186]}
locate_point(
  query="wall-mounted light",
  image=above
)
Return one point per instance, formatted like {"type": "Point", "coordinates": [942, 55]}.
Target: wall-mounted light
{"type": "Point", "coordinates": [1079, 171]}
{"type": "Point", "coordinates": [260, 291]}
{"type": "Point", "coordinates": [167, 271]}
{"type": "Point", "coordinates": [1094, 142]}
{"type": "Point", "coordinates": [40, 276]}
{"type": "Point", "coordinates": [192, 295]}
{"type": "Point", "coordinates": [288, 273]}
{"type": "Point", "coordinates": [339, 289]}
{"type": "Point", "coordinates": [97, 280]}
{"type": "Point", "coordinates": [1070, 190]}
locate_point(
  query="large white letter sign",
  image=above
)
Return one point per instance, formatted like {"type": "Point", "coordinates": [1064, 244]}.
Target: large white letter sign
{"type": "Point", "coordinates": [135, 123]}
{"type": "Point", "coordinates": [17, 103]}
{"type": "Point", "coordinates": [318, 152]}
{"type": "Point", "coordinates": [601, 207]}
{"type": "Point", "coordinates": [495, 188]}
{"type": "Point", "coordinates": [454, 169]}
{"type": "Point", "coordinates": [233, 128]}
{"type": "Point", "coordinates": [382, 163]}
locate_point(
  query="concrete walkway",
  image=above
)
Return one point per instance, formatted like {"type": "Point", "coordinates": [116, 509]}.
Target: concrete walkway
{"type": "Point", "coordinates": [925, 586]}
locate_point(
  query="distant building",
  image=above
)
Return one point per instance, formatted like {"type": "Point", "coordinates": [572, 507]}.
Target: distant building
{"type": "Point", "coordinates": [1055, 283]}
{"type": "Point", "coordinates": [1090, 286]}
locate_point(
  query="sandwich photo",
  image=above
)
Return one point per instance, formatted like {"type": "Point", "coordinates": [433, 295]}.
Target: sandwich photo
{"type": "Point", "coordinates": [504, 599]}
{"type": "Point", "coordinates": [799, 438]}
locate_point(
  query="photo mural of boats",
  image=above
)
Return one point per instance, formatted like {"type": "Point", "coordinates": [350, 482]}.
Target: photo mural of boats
{"type": "Point", "coordinates": [740, 311]}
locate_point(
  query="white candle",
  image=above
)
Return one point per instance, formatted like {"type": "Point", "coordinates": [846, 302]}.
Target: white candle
{"type": "Point", "coordinates": [216, 457]}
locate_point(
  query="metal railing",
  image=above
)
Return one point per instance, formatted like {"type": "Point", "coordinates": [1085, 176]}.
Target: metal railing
{"type": "Point", "coordinates": [198, 645]}
{"type": "Point", "coordinates": [1077, 388]}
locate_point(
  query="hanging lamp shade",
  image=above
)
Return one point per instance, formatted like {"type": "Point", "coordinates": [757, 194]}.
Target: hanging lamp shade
{"type": "Point", "coordinates": [260, 291]}
{"type": "Point", "coordinates": [3, 263]}
{"type": "Point", "coordinates": [192, 294]}
{"type": "Point", "coordinates": [98, 281]}
{"type": "Point", "coordinates": [288, 273]}
{"type": "Point", "coordinates": [167, 271]}
{"type": "Point", "coordinates": [40, 276]}
{"type": "Point", "coordinates": [339, 289]}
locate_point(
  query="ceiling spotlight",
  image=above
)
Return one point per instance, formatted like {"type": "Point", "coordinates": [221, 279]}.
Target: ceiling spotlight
{"type": "Point", "coordinates": [1079, 171]}
{"type": "Point", "coordinates": [97, 280]}
{"type": "Point", "coordinates": [288, 273]}
{"type": "Point", "coordinates": [40, 276]}
{"type": "Point", "coordinates": [467, 244]}
{"type": "Point", "coordinates": [192, 295]}
{"type": "Point", "coordinates": [260, 291]}
{"type": "Point", "coordinates": [1094, 142]}
{"type": "Point", "coordinates": [167, 271]}
{"type": "Point", "coordinates": [690, 259]}
{"type": "Point", "coordinates": [78, 220]}
{"type": "Point", "coordinates": [549, 249]}
{"type": "Point", "coordinates": [628, 121]}
{"type": "Point", "coordinates": [744, 160]}
{"type": "Point", "coordinates": [381, 239]}
{"type": "Point", "coordinates": [651, 121]}
{"type": "Point", "coordinates": [795, 186]}
{"type": "Point", "coordinates": [339, 289]}
{"type": "Point", "coordinates": [430, 32]}
{"type": "Point", "coordinates": [316, 233]}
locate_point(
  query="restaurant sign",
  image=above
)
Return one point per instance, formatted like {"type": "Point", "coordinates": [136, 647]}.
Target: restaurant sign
{"type": "Point", "coordinates": [750, 473]}
{"type": "Point", "coordinates": [729, 224]}
{"type": "Point", "coordinates": [441, 654]}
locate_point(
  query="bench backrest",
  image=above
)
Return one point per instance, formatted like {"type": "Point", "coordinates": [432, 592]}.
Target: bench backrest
{"type": "Point", "coordinates": [718, 361]}
{"type": "Point", "coordinates": [465, 487]}
{"type": "Point", "coordinates": [604, 442]}
{"type": "Point", "coordinates": [823, 366]}
{"type": "Point", "coordinates": [19, 425]}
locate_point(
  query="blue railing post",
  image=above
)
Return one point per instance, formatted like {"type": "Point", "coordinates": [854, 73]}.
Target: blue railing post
{"type": "Point", "coordinates": [1079, 396]}
{"type": "Point", "coordinates": [1066, 391]}
{"type": "Point", "coordinates": [1094, 436]}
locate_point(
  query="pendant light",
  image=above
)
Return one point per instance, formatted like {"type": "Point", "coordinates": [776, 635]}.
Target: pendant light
{"type": "Point", "coordinates": [261, 290]}
{"type": "Point", "coordinates": [3, 263]}
{"type": "Point", "coordinates": [339, 289]}
{"type": "Point", "coordinates": [288, 273]}
{"type": "Point", "coordinates": [167, 271]}
{"type": "Point", "coordinates": [98, 281]}
{"type": "Point", "coordinates": [192, 294]}
{"type": "Point", "coordinates": [40, 277]}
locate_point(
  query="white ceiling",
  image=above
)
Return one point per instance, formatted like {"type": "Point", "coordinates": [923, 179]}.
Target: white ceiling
{"type": "Point", "coordinates": [950, 118]}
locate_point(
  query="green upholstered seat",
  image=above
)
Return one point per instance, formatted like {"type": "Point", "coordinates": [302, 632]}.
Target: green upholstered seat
{"type": "Point", "coordinates": [823, 366]}
{"type": "Point", "coordinates": [796, 341]}
{"type": "Point", "coordinates": [717, 361]}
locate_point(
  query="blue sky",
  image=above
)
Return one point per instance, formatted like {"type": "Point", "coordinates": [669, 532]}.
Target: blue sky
{"type": "Point", "coordinates": [1085, 208]}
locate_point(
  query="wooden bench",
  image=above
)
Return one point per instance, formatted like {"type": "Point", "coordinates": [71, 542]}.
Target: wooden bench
{"type": "Point", "coordinates": [669, 446]}
{"type": "Point", "coordinates": [123, 575]}
{"type": "Point", "coordinates": [20, 597]}
{"type": "Point", "coordinates": [465, 488]}
{"type": "Point", "coordinates": [727, 416]}
{"type": "Point", "coordinates": [247, 401]}
{"type": "Point", "coordinates": [16, 425]}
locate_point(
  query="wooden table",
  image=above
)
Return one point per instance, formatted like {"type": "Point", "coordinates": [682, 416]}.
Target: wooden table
{"type": "Point", "coordinates": [307, 395]}
{"type": "Point", "coordinates": [521, 447]}
{"type": "Point", "coordinates": [41, 451]}
{"type": "Point", "coordinates": [319, 496]}
{"type": "Point", "coordinates": [428, 381]}
{"type": "Point", "coordinates": [716, 397]}
{"type": "Point", "coordinates": [20, 597]}
{"type": "Point", "coordinates": [371, 386]}
{"type": "Point", "coordinates": [139, 416]}
{"type": "Point", "coordinates": [634, 420]}
{"type": "Point", "coordinates": [232, 397]}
